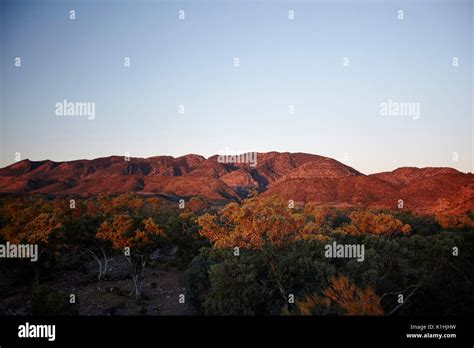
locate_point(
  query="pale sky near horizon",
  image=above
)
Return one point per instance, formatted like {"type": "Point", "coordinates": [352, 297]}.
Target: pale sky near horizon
{"type": "Point", "coordinates": [283, 62]}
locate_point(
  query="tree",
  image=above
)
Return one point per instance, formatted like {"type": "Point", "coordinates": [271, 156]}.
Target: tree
{"type": "Point", "coordinates": [363, 222]}
{"type": "Point", "coordinates": [253, 283]}
{"type": "Point", "coordinates": [30, 222]}
{"type": "Point", "coordinates": [81, 235]}
{"type": "Point", "coordinates": [267, 224]}
{"type": "Point", "coordinates": [452, 221]}
{"type": "Point", "coordinates": [136, 238]}
{"type": "Point", "coordinates": [182, 232]}
{"type": "Point", "coordinates": [254, 223]}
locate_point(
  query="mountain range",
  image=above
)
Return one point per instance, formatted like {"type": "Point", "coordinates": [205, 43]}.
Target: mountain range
{"type": "Point", "coordinates": [300, 177]}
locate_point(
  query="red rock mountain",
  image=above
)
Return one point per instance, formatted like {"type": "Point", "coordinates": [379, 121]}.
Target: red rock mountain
{"type": "Point", "coordinates": [298, 176]}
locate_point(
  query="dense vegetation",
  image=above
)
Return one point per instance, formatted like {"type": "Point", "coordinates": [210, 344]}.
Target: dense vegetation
{"type": "Point", "coordinates": [262, 256]}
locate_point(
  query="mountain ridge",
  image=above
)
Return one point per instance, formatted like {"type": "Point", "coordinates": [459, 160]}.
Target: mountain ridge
{"type": "Point", "coordinates": [301, 177]}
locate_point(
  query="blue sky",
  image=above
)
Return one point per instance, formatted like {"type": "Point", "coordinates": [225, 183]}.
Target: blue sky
{"type": "Point", "coordinates": [282, 62]}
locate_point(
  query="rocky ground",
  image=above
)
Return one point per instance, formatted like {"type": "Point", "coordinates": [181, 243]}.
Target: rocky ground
{"type": "Point", "coordinates": [162, 287]}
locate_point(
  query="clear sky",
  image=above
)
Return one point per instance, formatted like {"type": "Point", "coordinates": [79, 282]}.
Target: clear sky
{"type": "Point", "coordinates": [283, 62]}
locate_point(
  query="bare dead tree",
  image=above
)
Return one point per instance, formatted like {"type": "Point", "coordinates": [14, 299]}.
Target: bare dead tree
{"type": "Point", "coordinates": [102, 260]}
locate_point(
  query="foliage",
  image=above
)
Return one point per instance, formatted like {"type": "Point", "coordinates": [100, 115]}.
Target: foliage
{"type": "Point", "coordinates": [425, 265]}
{"type": "Point", "coordinates": [347, 298]}
{"type": "Point", "coordinates": [420, 224]}
{"type": "Point", "coordinates": [256, 281]}
{"type": "Point", "coordinates": [366, 222]}
{"type": "Point", "coordinates": [280, 253]}
{"type": "Point", "coordinates": [140, 236]}
{"type": "Point", "coordinates": [259, 221]}
{"type": "Point", "coordinates": [452, 221]}
{"type": "Point", "coordinates": [48, 301]}
{"type": "Point", "coordinates": [124, 231]}
{"type": "Point", "coordinates": [182, 231]}
{"type": "Point", "coordinates": [30, 221]}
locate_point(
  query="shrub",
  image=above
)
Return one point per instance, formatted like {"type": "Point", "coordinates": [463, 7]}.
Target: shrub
{"type": "Point", "coordinates": [48, 301]}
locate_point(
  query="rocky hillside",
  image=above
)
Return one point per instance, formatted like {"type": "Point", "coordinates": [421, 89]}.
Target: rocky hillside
{"type": "Point", "coordinates": [298, 176]}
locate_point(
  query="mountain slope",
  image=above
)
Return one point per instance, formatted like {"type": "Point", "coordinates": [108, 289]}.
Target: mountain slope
{"type": "Point", "coordinates": [298, 176]}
